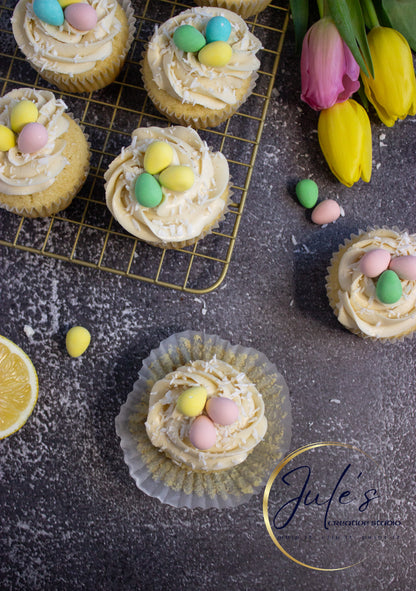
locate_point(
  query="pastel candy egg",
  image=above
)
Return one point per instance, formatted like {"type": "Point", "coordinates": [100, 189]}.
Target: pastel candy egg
{"type": "Point", "coordinates": [82, 17]}
{"type": "Point", "coordinates": [192, 401]}
{"type": "Point", "coordinates": [22, 113]}
{"type": "Point", "coordinates": [218, 29]}
{"type": "Point", "coordinates": [177, 178]}
{"type": "Point", "coordinates": [389, 287]}
{"type": "Point", "coordinates": [326, 212]}
{"type": "Point", "coordinates": [32, 138]}
{"type": "Point", "coordinates": [216, 54]}
{"type": "Point", "coordinates": [223, 411]}
{"type": "Point", "coordinates": [65, 3]}
{"type": "Point", "coordinates": [147, 190]}
{"type": "Point", "coordinates": [307, 193]}
{"type": "Point", "coordinates": [404, 266]}
{"type": "Point", "coordinates": [78, 339]}
{"type": "Point", "coordinates": [188, 38]}
{"type": "Point", "coordinates": [157, 157]}
{"type": "Point", "coordinates": [374, 262]}
{"type": "Point", "coordinates": [202, 433]}
{"type": "Point", "coordinates": [49, 11]}
{"type": "Point", "coordinates": [7, 138]}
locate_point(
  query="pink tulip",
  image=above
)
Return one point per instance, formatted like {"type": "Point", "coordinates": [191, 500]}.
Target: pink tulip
{"type": "Point", "coordinates": [328, 69]}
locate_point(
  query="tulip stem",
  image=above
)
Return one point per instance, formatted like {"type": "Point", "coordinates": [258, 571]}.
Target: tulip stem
{"type": "Point", "coordinates": [323, 8]}
{"type": "Point", "coordinates": [370, 14]}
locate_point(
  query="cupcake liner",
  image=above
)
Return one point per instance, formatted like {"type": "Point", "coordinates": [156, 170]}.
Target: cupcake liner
{"type": "Point", "coordinates": [332, 284]}
{"type": "Point", "coordinates": [157, 475]}
{"type": "Point", "coordinates": [245, 8]}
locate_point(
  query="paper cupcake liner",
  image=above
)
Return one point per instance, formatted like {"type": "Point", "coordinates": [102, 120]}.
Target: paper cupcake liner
{"type": "Point", "coordinates": [332, 284]}
{"type": "Point", "coordinates": [175, 114]}
{"type": "Point", "coordinates": [158, 476]}
{"type": "Point", "coordinates": [245, 8]}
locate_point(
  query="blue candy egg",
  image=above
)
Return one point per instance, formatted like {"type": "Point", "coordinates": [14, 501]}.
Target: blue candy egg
{"type": "Point", "coordinates": [218, 29]}
{"type": "Point", "coordinates": [49, 11]}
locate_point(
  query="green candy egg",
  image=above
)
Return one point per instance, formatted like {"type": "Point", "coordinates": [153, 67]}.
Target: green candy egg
{"type": "Point", "coordinates": [188, 38]}
{"type": "Point", "coordinates": [389, 287]}
{"type": "Point", "coordinates": [147, 190]}
{"type": "Point", "coordinates": [307, 193]}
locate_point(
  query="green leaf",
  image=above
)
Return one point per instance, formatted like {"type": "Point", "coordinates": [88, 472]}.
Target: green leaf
{"type": "Point", "coordinates": [349, 20]}
{"type": "Point", "coordinates": [402, 15]}
{"type": "Point", "coordinates": [300, 14]}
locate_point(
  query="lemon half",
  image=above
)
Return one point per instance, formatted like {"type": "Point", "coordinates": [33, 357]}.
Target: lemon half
{"type": "Point", "coordinates": [18, 387]}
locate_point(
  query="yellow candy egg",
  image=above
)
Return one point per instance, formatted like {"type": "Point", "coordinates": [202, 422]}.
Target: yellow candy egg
{"type": "Point", "coordinates": [157, 157]}
{"type": "Point", "coordinates": [7, 139]}
{"type": "Point", "coordinates": [65, 3]}
{"type": "Point", "coordinates": [177, 178]}
{"type": "Point", "coordinates": [77, 340]}
{"type": "Point", "coordinates": [22, 113]}
{"type": "Point", "coordinates": [192, 401]}
{"type": "Point", "coordinates": [215, 54]}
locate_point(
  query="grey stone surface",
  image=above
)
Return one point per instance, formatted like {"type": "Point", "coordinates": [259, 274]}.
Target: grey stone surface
{"type": "Point", "coordinates": [72, 517]}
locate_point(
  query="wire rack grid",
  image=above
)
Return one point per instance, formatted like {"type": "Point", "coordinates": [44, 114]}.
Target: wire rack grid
{"type": "Point", "coordinates": [86, 233]}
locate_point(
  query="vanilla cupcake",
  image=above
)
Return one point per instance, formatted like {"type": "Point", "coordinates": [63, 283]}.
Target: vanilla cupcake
{"type": "Point", "coordinates": [245, 8]}
{"type": "Point", "coordinates": [198, 78]}
{"type": "Point", "coordinates": [168, 188]}
{"type": "Point", "coordinates": [206, 422]}
{"type": "Point", "coordinates": [45, 155]}
{"type": "Point", "coordinates": [371, 284]}
{"type": "Point", "coordinates": [78, 48]}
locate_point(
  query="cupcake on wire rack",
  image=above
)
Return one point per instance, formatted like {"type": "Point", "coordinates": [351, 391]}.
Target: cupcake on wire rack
{"type": "Point", "coordinates": [371, 284]}
{"type": "Point", "coordinates": [206, 422]}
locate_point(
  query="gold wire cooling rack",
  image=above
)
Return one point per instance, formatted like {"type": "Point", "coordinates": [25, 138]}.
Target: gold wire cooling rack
{"type": "Point", "coordinates": [86, 233]}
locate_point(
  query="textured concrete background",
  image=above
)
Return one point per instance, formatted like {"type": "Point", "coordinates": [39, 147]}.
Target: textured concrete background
{"type": "Point", "coordinates": [72, 517]}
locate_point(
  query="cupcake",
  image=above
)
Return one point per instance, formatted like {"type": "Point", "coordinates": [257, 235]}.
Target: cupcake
{"type": "Point", "coordinates": [245, 8]}
{"type": "Point", "coordinates": [200, 66]}
{"type": "Point", "coordinates": [206, 423]}
{"type": "Point", "coordinates": [168, 188]}
{"type": "Point", "coordinates": [371, 284]}
{"type": "Point", "coordinates": [78, 48]}
{"type": "Point", "coordinates": [44, 157]}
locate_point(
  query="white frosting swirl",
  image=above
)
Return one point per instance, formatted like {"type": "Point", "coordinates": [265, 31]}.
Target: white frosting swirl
{"type": "Point", "coordinates": [358, 306]}
{"type": "Point", "coordinates": [183, 77]}
{"type": "Point", "coordinates": [168, 429]}
{"type": "Point", "coordinates": [25, 174]}
{"type": "Point", "coordinates": [180, 216]}
{"type": "Point", "coordinates": [64, 49]}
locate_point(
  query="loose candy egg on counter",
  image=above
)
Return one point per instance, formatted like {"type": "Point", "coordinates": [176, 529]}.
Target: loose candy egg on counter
{"type": "Point", "coordinates": [22, 113]}
{"type": "Point", "coordinates": [326, 212]}
{"type": "Point", "coordinates": [147, 190]}
{"type": "Point", "coordinates": [78, 339]}
{"type": "Point", "coordinates": [374, 262]}
{"type": "Point", "coordinates": [177, 178]}
{"type": "Point", "coordinates": [192, 401]}
{"type": "Point", "coordinates": [216, 54]}
{"type": "Point", "coordinates": [218, 29]}
{"type": "Point", "coordinates": [7, 139]}
{"type": "Point", "coordinates": [404, 266]}
{"type": "Point", "coordinates": [202, 433]}
{"type": "Point", "coordinates": [222, 411]}
{"type": "Point", "coordinates": [32, 138]}
{"type": "Point", "coordinates": [49, 11]}
{"type": "Point", "coordinates": [157, 157]}
{"type": "Point", "coordinates": [65, 3]}
{"type": "Point", "coordinates": [188, 38]}
{"type": "Point", "coordinates": [389, 287]}
{"type": "Point", "coordinates": [82, 17]}
{"type": "Point", "coordinates": [307, 193]}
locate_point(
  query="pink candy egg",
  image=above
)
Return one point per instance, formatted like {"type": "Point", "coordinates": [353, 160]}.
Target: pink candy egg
{"type": "Point", "coordinates": [326, 212]}
{"type": "Point", "coordinates": [202, 433]}
{"type": "Point", "coordinates": [81, 16]}
{"type": "Point", "coordinates": [222, 411]}
{"type": "Point", "coordinates": [374, 262]}
{"type": "Point", "coordinates": [404, 266]}
{"type": "Point", "coordinates": [32, 138]}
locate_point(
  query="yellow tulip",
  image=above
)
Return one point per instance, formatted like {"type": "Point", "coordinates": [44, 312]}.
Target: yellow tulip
{"type": "Point", "coordinates": [392, 91]}
{"type": "Point", "coordinates": [344, 133]}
